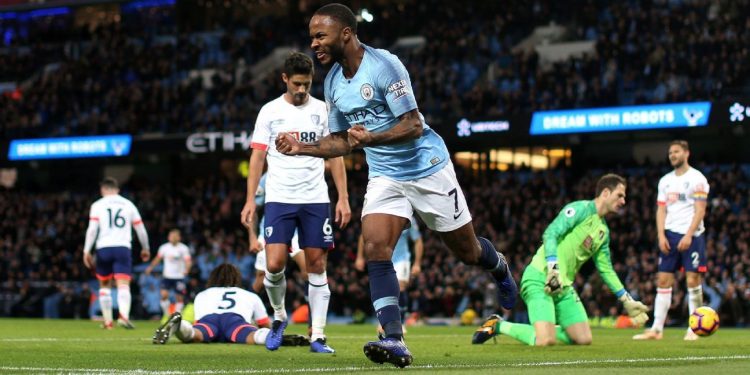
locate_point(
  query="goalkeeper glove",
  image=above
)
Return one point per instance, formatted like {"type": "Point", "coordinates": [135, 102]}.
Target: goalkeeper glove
{"type": "Point", "coordinates": [636, 309]}
{"type": "Point", "coordinates": [553, 286]}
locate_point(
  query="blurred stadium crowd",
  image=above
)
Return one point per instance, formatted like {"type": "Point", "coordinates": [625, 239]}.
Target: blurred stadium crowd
{"type": "Point", "coordinates": [42, 235]}
{"type": "Point", "coordinates": [135, 77]}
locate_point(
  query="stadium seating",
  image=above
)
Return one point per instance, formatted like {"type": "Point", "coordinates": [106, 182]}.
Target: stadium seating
{"type": "Point", "coordinates": [140, 82]}
{"type": "Point", "coordinates": [40, 249]}
{"type": "Point", "coordinates": [142, 77]}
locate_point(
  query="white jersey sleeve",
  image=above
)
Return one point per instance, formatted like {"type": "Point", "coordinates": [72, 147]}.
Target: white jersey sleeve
{"type": "Point", "coordinates": [185, 251]}
{"type": "Point", "coordinates": [699, 187]}
{"type": "Point", "coordinates": [116, 217]}
{"type": "Point", "coordinates": [91, 232]}
{"type": "Point", "coordinates": [262, 131]}
{"type": "Point", "coordinates": [230, 300]}
{"type": "Point", "coordinates": [135, 215]}
{"type": "Point", "coordinates": [661, 192]}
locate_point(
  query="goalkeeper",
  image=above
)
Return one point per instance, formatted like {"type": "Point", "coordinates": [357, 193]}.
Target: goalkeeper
{"type": "Point", "coordinates": [577, 234]}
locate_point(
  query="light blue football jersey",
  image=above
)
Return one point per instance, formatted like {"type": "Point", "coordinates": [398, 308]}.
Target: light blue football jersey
{"type": "Point", "coordinates": [260, 194]}
{"type": "Point", "coordinates": [375, 97]}
{"type": "Point", "coordinates": [401, 251]}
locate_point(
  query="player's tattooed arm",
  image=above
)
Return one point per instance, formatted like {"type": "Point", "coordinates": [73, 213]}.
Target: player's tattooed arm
{"type": "Point", "coordinates": [330, 146]}
{"type": "Point", "coordinates": [410, 127]}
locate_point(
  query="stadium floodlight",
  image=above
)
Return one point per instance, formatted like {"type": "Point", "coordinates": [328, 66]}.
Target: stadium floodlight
{"type": "Point", "coordinates": [366, 15]}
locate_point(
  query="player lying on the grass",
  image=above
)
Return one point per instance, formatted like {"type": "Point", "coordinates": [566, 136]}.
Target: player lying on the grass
{"type": "Point", "coordinates": [224, 312]}
{"type": "Point", "coordinates": [577, 234]}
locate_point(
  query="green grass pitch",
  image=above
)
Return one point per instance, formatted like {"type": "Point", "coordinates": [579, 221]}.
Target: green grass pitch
{"type": "Point", "coordinates": [62, 346]}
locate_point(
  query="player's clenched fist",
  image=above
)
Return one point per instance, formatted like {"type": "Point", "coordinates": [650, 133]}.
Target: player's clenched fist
{"type": "Point", "coordinates": [287, 144]}
{"type": "Point", "coordinates": [359, 136]}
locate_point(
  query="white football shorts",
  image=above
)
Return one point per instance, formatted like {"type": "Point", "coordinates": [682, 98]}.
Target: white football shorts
{"type": "Point", "coordinates": [403, 270]}
{"type": "Point", "coordinates": [437, 199]}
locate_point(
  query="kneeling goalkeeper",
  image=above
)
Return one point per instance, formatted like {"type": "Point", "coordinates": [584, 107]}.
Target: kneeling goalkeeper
{"type": "Point", "coordinates": [577, 234]}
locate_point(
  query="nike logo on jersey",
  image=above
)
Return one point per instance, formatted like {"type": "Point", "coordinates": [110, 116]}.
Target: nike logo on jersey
{"type": "Point", "coordinates": [457, 215]}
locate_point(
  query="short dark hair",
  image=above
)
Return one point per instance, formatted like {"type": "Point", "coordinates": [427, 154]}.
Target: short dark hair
{"type": "Point", "coordinates": [298, 63]}
{"type": "Point", "coordinates": [225, 276]}
{"type": "Point", "coordinates": [680, 142]}
{"type": "Point", "coordinates": [609, 181]}
{"type": "Point", "coordinates": [341, 13]}
{"type": "Point", "coordinates": [109, 182]}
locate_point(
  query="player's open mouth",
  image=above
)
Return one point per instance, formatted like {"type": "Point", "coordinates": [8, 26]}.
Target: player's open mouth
{"type": "Point", "coordinates": [319, 55]}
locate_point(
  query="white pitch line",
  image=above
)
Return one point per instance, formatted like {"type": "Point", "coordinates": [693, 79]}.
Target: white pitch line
{"type": "Point", "coordinates": [361, 368]}
{"type": "Point", "coordinates": [73, 339]}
